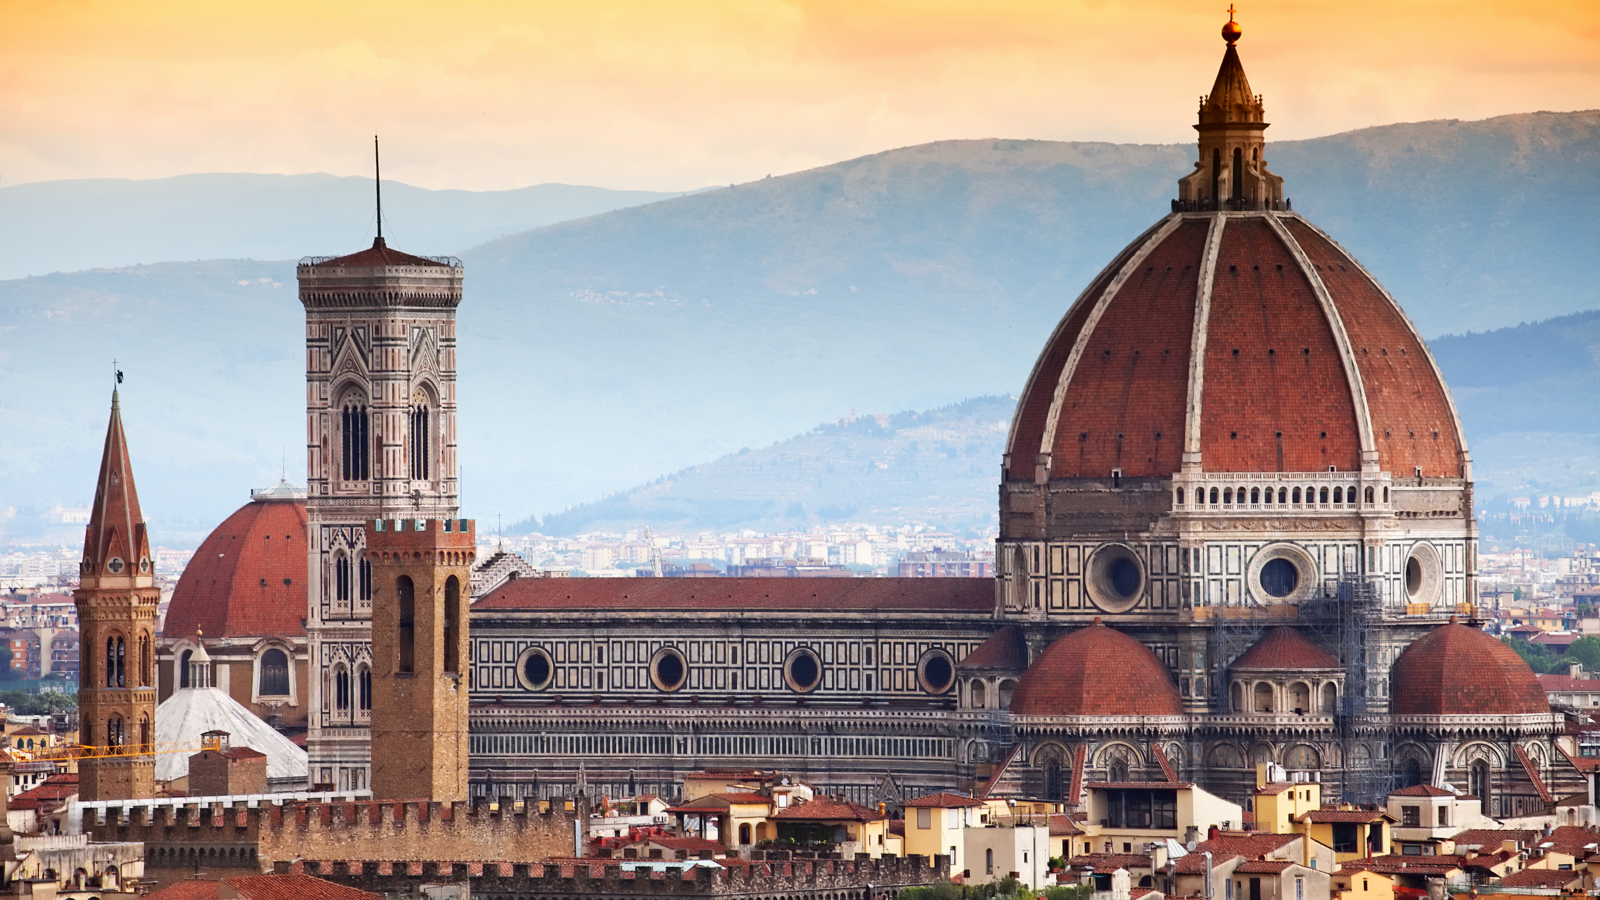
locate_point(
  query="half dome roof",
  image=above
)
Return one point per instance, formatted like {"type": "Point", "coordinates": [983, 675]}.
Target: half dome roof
{"type": "Point", "coordinates": [1096, 671]}
{"type": "Point", "coordinates": [1250, 339]}
{"type": "Point", "coordinates": [1284, 648]}
{"type": "Point", "coordinates": [1456, 669]}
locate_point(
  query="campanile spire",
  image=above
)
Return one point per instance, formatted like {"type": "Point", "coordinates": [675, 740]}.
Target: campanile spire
{"type": "Point", "coordinates": [117, 599]}
{"type": "Point", "coordinates": [1231, 172]}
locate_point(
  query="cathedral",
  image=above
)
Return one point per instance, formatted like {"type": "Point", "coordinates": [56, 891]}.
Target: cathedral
{"type": "Point", "coordinates": [1236, 527]}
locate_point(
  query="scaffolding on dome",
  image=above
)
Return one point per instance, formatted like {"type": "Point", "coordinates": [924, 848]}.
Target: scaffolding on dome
{"type": "Point", "coordinates": [1341, 615]}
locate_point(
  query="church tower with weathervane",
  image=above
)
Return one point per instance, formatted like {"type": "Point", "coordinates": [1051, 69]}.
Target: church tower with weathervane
{"type": "Point", "coordinates": [117, 599]}
{"type": "Point", "coordinates": [380, 444]}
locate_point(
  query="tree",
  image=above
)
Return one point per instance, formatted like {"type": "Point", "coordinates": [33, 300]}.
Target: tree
{"type": "Point", "coordinates": [1585, 650]}
{"type": "Point", "coordinates": [6, 672]}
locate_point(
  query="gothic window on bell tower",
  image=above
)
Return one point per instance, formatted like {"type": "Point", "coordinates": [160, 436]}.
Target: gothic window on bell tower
{"type": "Point", "coordinates": [405, 592]}
{"type": "Point", "coordinates": [356, 442]}
{"type": "Point", "coordinates": [341, 581]}
{"type": "Point", "coordinates": [419, 443]}
{"type": "Point", "coordinates": [116, 662]}
{"type": "Point", "coordinates": [365, 587]}
{"type": "Point", "coordinates": [364, 691]}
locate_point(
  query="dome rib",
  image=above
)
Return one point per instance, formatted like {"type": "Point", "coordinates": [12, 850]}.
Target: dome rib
{"type": "Point", "coordinates": [1074, 359]}
{"type": "Point", "coordinates": [1341, 339]}
{"type": "Point", "coordinates": [1393, 406]}
{"type": "Point", "coordinates": [1197, 347]}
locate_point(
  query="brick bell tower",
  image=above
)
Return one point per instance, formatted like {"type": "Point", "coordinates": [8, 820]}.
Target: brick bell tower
{"type": "Point", "coordinates": [380, 444]}
{"type": "Point", "coordinates": [117, 599]}
{"type": "Point", "coordinates": [421, 589]}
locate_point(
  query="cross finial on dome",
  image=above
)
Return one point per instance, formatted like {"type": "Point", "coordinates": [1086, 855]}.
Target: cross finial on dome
{"type": "Point", "coordinates": [1231, 31]}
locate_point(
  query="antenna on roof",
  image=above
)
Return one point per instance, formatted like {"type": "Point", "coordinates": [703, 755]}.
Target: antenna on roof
{"type": "Point", "coordinates": [377, 186]}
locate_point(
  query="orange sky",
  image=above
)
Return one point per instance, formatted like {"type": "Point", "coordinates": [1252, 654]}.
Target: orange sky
{"type": "Point", "coordinates": [505, 93]}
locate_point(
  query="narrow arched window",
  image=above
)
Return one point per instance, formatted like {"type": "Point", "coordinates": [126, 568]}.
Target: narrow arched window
{"type": "Point", "coordinates": [341, 580]}
{"type": "Point", "coordinates": [1338, 495]}
{"type": "Point", "coordinates": [452, 624]}
{"type": "Point", "coordinates": [1052, 780]}
{"type": "Point", "coordinates": [1296, 495]}
{"type": "Point", "coordinates": [1369, 495]}
{"type": "Point", "coordinates": [114, 735]}
{"type": "Point", "coordinates": [183, 669]}
{"type": "Point", "coordinates": [144, 733]}
{"type": "Point", "coordinates": [419, 443]}
{"type": "Point", "coordinates": [1283, 495]}
{"type": "Point", "coordinates": [1324, 495]}
{"type": "Point", "coordinates": [111, 662]}
{"type": "Point", "coordinates": [356, 441]}
{"type": "Point", "coordinates": [1266, 496]}
{"type": "Point", "coordinates": [365, 588]}
{"type": "Point", "coordinates": [1255, 495]}
{"type": "Point", "coordinates": [364, 689]}
{"type": "Point", "coordinates": [405, 592]}
{"type": "Point", "coordinates": [341, 689]}
{"type": "Point", "coordinates": [1238, 173]}
{"type": "Point", "coordinates": [1227, 495]}
{"type": "Point", "coordinates": [1213, 495]}
{"type": "Point", "coordinates": [147, 668]}
{"type": "Point", "coordinates": [1180, 496]}
{"type": "Point", "coordinates": [1216, 175]}
{"type": "Point", "coordinates": [274, 680]}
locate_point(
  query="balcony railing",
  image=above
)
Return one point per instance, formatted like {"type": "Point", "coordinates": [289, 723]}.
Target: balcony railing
{"type": "Point", "coordinates": [1183, 206]}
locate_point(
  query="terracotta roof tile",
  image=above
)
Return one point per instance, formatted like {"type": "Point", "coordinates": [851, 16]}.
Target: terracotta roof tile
{"type": "Point", "coordinates": [945, 800]}
{"type": "Point", "coordinates": [248, 579]}
{"type": "Point", "coordinates": [1108, 862]}
{"type": "Point", "coordinates": [1284, 648]}
{"type": "Point", "coordinates": [1458, 670]}
{"type": "Point", "coordinates": [1195, 864]}
{"type": "Point", "coordinates": [1362, 816]}
{"type": "Point", "coordinates": [1494, 837]}
{"type": "Point", "coordinates": [1541, 878]}
{"type": "Point", "coordinates": [1096, 671]}
{"type": "Point", "coordinates": [689, 843]}
{"type": "Point", "coordinates": [1061, 823]}
{"type": "Point", "coordinates": [1005, 649]}
{"type": "Point", "coordinates": [187, 890]}
{"type": "Point", "coordinates": [1263, 866]}
{"type": "Point", "coordinates": [294, 886]}
{"type": "Point", "coordinates": [1138, 785]}
{"type": "Point", "coordinates": [379, 254]}
{"type": "Point", "coordinates": [943, 595]}
{"type": "Point", "coordinates": [1422, 790]}
{"type": "Point", "coordinates": [827, 809]}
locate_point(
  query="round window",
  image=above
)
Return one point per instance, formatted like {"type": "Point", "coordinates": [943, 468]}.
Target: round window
{"type": "Point", "coordinates": [668, 671]}
{"type": "Point", "coordinates": [1424, 574]}
{"type": "Point", "coordinates": [535, 669]}
{"type": "Point", "coordinates": [936, 673]}
{"type": "Point", "coordinates": [1279, 578]}
{"type": "Point", "coordinates": [1116, 578]}
{"type": "Point", "coordinates": [802, 670]}
{"type": "Point", "coordinates": [115, 565]}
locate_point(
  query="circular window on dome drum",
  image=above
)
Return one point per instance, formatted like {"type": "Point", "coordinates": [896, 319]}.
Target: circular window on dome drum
{"type": "Point", "coordinates": [1282, 573]}
{"type": "Point", "coordinates": [1424, 573]}
{"type": "Point", "coordinates": [802, 670]}
{"type": "Point", "coordinates": [534, 669]}
{"type": "Point", "coordinates": [1116, 578]}
{"type": "Point", "coordinates": [936, 672]}
{"type": "Point", "coordinates": [668, 670]}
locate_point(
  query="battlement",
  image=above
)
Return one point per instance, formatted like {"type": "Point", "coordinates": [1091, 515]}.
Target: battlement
{"type": "Point", "coordinates": [801, 879]}
{"type": "Point", "coordinates": [409, 535]}
{"type": "Point", "coordinates": [177, 836]}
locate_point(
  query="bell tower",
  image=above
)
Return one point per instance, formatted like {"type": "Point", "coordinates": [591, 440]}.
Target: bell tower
{"type": "Point", "coordinates": [380, 444]}
{"type": "Point", "coordinates": [421, 587]}
{"type": "Point", "coordinates": [1232, 170]}
{"type": "Point", "coordinates": [117, 599]}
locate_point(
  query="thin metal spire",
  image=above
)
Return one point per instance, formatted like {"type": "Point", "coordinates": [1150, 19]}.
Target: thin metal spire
{"type": "Point", "coordinates": [377, 185]}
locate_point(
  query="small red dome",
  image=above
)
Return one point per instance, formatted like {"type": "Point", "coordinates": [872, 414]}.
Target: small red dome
{"type": "Point", "coordinates": [248, 579]}
{"type": "Point", "coordinates": [1096, 671]}
{"type": "Point", "coordinates": [1458, 670]}
{"type": "Point", "coordinates": [1284, 648]}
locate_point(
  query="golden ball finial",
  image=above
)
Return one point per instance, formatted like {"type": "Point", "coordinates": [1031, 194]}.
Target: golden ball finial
{"type": "Point", "coordinates": [1231, 31]}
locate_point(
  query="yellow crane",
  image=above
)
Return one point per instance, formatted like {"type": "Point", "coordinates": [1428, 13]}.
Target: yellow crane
{"type": "Point", "coordinates": [73, 752]}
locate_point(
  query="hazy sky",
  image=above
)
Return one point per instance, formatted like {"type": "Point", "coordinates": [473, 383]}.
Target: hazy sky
{"type": "Point", "coordinates": [506, 93]}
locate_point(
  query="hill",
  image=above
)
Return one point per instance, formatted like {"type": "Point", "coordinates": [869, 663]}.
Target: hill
{"type": "Point", "coordinates": [67, 226]}
{"type": "Point", "coordinates": [602, 352]}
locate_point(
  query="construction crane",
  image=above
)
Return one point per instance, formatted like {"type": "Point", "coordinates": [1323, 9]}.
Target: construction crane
{"type": "Point", "coordinates": [655, 552]}
{"type": "Point", "coordinates": [74, 752]}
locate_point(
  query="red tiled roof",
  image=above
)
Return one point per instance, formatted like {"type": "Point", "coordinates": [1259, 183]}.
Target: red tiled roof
{"type": "Point", "coordinates": [1541, 878]}
{"type": "Point", "coordinates": [682, 842]}
{"type": "Point", "coordinates": [1324, 816]}
{"type": "Point", "coordinates": [379, 254]}
{"type": "Point", "coordinates": [1250, 845]}
{"type": "Point", "coordinates": [1262, 866]}
{"type": "Point", "coordinates": [1572, 840]}
{"type": "Point", "coordinates": [1458, 670]}
{"type": "Point", "coordinates": [1108, 862]}
{"type": "Point", "coordinates": [1284, 648]}
{"type": "Point", "coordinates": [1422, 790]}
{"type": "Point", "coordinates": [187, 890]}
{"type": "Point", "coordinates": [945, 800]}
{"type": "Point", "coordinates": [1567, 683]}
{"type": "Point", "coordinates": [944, 595]}
{"type": "Point", "coordinates": [55, 790]}
{"type": "Point", "coordinates": [1195, 864]}
{"type": "Point", "coordinates": [1494, 837]}
{"type": "Point", "coordinates": [1138, 785]}
{"type": "Point", "coordinates": [827, 809]}
{"type": "Point", "coordinates": [1096, 671]}
{"type": "Point", "coordinates": [1555, 640]}
{"type": "Point", "coordinates": [721, 801]}
{"type": "Point", "coordinates": [1061, 823]}
{"type": "Point", "coordinates": [248, 579]}
{"type": "Point", "coordinates": [1005, 649]}
{"type": "Point", "coordinates": [294, 886]}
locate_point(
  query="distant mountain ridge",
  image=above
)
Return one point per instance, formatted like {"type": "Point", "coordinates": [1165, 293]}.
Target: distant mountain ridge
{"type": "Point", "coordinates": [602, 352]}
{"type": "Point", "coordinates": [68, 226]}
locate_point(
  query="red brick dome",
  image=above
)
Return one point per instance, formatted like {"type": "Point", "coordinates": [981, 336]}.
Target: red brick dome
{"type": "Point", "coordinates": [1458, 670]}
{"type": "Point", "coordinates": [1249, 338]}
{"type": "Point", "coordinates": [1284, 648]}
{"type": "Point", "coordinates": [248, 579]}
{"type": "Point", "coordinates": [1096, 671]}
